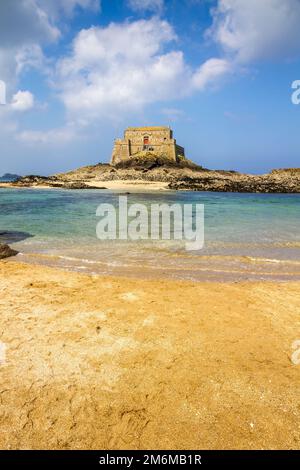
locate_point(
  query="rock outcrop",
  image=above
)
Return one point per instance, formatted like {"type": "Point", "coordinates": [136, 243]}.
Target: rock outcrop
{"type": "Point", "coordinates": [6, 251]}
{"type": "Point", "coordinates": [52, 181]}
{"type": "Point", "coordinates": [184, 175]}
{"type": "Point", "coordinates": [34, 180]}
{"type": "Point", "coordinates": [270, 183]}
{"type": "Point", "coordinates": [148, 161]}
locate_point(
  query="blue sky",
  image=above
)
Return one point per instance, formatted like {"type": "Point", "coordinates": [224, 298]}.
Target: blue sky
{"type": "Point", "coordinates": [219, 72]}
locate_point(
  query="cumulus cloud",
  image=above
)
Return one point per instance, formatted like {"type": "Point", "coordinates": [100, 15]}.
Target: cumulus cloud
{"type": "Point", "coordinates": [22, 101]}
{"type": "Point", "coordinates": [144, 5]}
{"type": "Point", "coordinates": [25, 27]}
{"type": "Point", "coordinates": [125, 66]}
{"type": "Point", "coordinates": [248, 32]}
{"type": "Point", "coordinates": [121, 67]}
{"type": "Point", "coordinates": [253, 30]}
{"type": "Point", "coordinates": [210, 71]}
{"type": "Point", "coordinates": [24, 21]}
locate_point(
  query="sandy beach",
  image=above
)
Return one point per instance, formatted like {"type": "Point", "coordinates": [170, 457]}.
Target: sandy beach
{"type": "Point", "coordinates": [100, 362]}
{"type": "Point", "coordinates": [131, 185]}
{"type": "Point", "coordinates": [149, 231]}
{"type": "Point", "coordinates": [115, 185]}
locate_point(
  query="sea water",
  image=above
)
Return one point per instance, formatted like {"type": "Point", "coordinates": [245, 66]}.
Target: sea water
{"type": "Point", "coordinates": [247, 236]}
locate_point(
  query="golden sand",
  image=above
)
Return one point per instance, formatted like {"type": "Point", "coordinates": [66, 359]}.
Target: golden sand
{"type": "Point", "coordinates": [99, 362]}
{"type": "Point", "coordinates": [130, 185]}
{"type": "Point", "coordinates": [115, 185]}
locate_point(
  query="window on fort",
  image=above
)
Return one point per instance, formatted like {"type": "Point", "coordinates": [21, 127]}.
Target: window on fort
{"type": "Point", "coordinates": [146, 140]}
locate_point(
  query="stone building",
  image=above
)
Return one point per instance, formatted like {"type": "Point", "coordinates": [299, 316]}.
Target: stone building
{"type": "Point", "coordinates": [158, 140]}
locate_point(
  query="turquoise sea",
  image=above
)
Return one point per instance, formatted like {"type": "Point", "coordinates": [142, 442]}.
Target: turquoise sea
{"type": "Point", "coordinates": [247, 236]}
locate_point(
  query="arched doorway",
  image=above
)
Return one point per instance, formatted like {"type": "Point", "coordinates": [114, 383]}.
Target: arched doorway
{"type": "Point", "coordinates": [146, 142]}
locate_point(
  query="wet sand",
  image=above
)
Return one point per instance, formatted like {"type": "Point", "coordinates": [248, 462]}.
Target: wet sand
{"type": "Point", "coordinates": [102, 362]}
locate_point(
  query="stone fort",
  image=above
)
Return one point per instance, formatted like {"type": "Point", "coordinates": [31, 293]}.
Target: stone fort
{"type": "Point", "coordinates": [158, 140]}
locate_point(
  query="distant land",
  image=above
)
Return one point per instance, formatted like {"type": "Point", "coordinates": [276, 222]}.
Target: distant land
{"type": "Point", "coordinates": [7, 177]}
{"type": "Point", "coordinates": [147, 171]}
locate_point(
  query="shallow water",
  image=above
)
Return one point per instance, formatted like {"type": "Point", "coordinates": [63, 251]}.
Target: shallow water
{"type": "Point", "coordinates": [247, 236]}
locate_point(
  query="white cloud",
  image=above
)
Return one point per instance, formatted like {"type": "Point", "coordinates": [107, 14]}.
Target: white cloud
{"type": "Point", "coordinates": [25, 27]}
{"type": "Point", "coordinates": [25, 22]}
{"type": "Point", "coordinates": [22, 101]}
{"type": "Point", "coordinates": [30, 56]}
{"type": "Point", "coordinates": [249, 31]}
{"type": "Point", "coordinates": [257, 29]}
{"type": "Point", "coordinates": [137, 41]}
{"type": "Point", "coordinates": [210, 72]}
{"type": "Point", "coordinates": [144, 5]}
{"type": "Point", "coordinates": [123, 67]}
{"type": "Point", "coordinates": [120, 68]}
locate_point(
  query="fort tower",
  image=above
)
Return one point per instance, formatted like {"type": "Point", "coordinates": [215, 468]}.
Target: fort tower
{"type": "Point", "coordinates": [158, 140]}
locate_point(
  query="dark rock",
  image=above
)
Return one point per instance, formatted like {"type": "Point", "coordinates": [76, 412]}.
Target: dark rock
{"type": "Point", "coordinates": [238, 183]}
{"type": "Point", "coordinates": [75, 185]}
{"type": "Point", "coordinates": [80, 185]}
{"type": "Point", "coordinates": [53, 182]}
{"type": "Point", "coordinates": [146, 161]}
{"type": "Point", "coordinates": [6, 251]}
{"type": "Point", "coordinates": [34, 180]}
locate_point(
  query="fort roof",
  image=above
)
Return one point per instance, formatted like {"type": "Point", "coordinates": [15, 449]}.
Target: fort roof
{"type": "Point", "coordinates": [149, 128]}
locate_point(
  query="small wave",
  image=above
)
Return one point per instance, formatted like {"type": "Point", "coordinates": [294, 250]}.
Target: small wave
{"type": "Point", "coordinates": [207, 267]}
{"type": "Point", "coordinates": [271, 260]}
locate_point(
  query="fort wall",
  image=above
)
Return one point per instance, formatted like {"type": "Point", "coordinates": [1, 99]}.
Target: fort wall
{"type": "Point", "coordinates": [158, 140]}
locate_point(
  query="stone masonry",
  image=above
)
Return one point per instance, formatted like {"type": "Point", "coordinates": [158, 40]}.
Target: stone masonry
{"type": "Point", "coordinates": [158, 140]}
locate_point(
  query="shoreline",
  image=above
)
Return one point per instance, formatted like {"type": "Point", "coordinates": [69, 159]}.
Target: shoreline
{"type": "Point", "coordinates": [139, 186]}
{"type": "Point", "coordinates": [116, 185]}
{"type": "Point", "coordinates": [263, 269]}
{"type": "Point", "coordinates": [103, 362]}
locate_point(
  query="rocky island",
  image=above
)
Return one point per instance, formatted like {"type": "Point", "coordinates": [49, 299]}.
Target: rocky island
{"type": "Point", "coordinates": [148, 170]}
{"type": "Point", "coordinates": [150, 158]}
